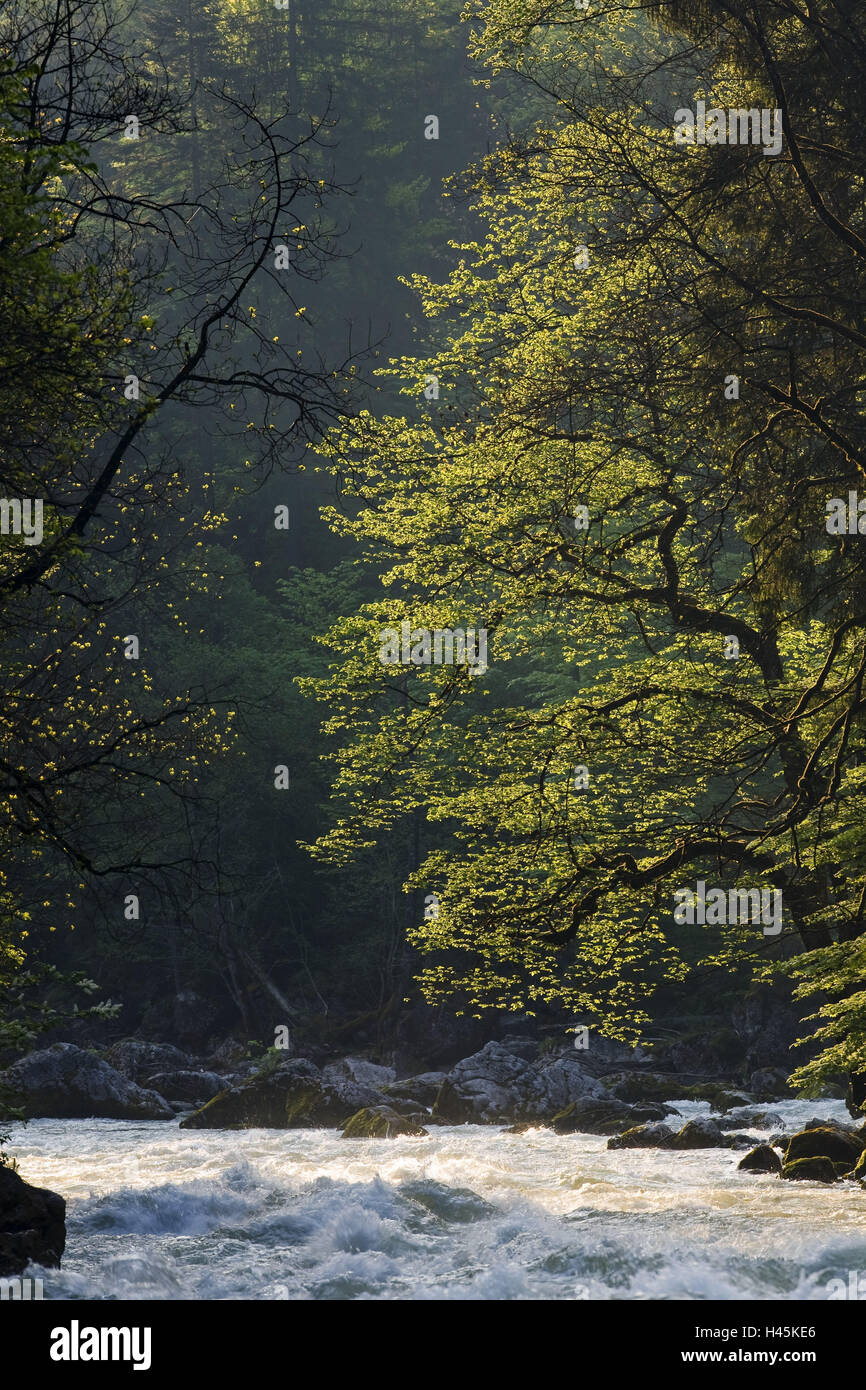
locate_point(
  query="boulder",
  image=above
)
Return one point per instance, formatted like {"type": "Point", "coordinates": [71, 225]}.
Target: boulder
{"type": "Point", "coordinates": [609, 1116]}
{"type": "Point", "coordinates": [190, 1087]}
{"type": "Point", "coordinates": [739, 1141]}
{"type": "Point", "coordinates": [497, 1086]}
{"type": "Point", "coordinates": [381, 1122]}
{"type": "Point", "coordinates": [32, 1225]}
{"type": "Point", "coordinates": [601, 1054]}
{"type": "Point", "coordinates": [451, 1107]}
{"type": "Point", "coordinates": [700, 1133]}
{"type": "Point", "coordinates": [65, 1082]}
{"type": "Point", "coordinates": [860, 1170]}
{"type": "Point", "coordinates": [750, 1115]}
{"type": "Point", "coordinates": [652, 1136]}
{"type": "Point", "coordinates": [294, 1094]}
{"type": "Point", "coordinates": [761, 1159]}
{"type": "Point", "coordinates": [634, 1086]}
{"type": "Point", "coordinates": [563, 1080]}
{"type": "Point", "coordinates": [841, 1125]}
{"type": "Point", "coordinates": [527, 1048]}
{"type": "Point", "coordinates": [423, 1088]}
{"type": "Point", "coordinates": [645, 1114]}
{"type": "Point", "coordinates": [362, 1072]}
{"type": "Point", "coordinates": [660, 1086]}
{"type": "Point", "coordinates": [408, 1107]}
{"type": "Point", "coordinates": [825, 1141]}
{"type": "Point", "coordinates": [810, 1170]}
{"type": "Point", "coordinates": [135, 1059]}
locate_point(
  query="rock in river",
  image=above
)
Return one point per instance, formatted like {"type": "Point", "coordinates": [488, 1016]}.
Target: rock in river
{"type": "Point", "coordinates": [497, 1086]}
{"type": "Point", "coordinates": [65, 1082]}
{"type": "Point", "coordinates": [423, 1089]}
{"type": "Point", "coordinates": [359, 1070]}
{"type": "Point", "coordinates": [761, 1159]}
{"type": "Point", "coordinates": [381, 1122]}
{"type": "Point", "coordinates": [32, 1225]}
{"type": "Point", "coordinates": [652, 1136]}
{"type": "Point", "coordinates": [825, 1141]}
{"type": "Point", "coordinates": [701, 1133]}
{"type": "Point", "coordinates": [194, 1087]}
{"type": "Point", "coordinates": [137, 1059]}
{"type": "Point", "coordinates": [810, 1170]}
{"type": "Point", "coordinates": [608, 1116]}
{"type": "Point", "coordinates": [293, 1095]}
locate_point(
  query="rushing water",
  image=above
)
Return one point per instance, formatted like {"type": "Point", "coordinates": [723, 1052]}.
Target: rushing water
{"type": "Point", "coordinates": [469, 1213]}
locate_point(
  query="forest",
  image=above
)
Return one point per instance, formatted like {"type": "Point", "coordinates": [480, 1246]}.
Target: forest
{"type": "Point", "coordinates": [540, 326]}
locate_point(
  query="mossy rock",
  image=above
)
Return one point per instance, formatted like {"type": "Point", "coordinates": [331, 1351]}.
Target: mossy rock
{"type": "Point", "coordinates": [860, 1170]}
{"type": "Point", "coordinates": [381, 1122]}
{"type": "Point", "coordinates": [810, 1170]}
{"type": "Point", "coordinates": [261, 1103]}
{"type": "Point", "coordinates": [761, 1159]}
{"type": "Point", "coordinates": [291, 1096]}
{"type": "Point", "coordinates": [651, 1136]}
{"type": "Point", "coordinates": [701, 1133]}
{"type": "Point", "coordinates": [843, 1170]}
{"type": "Point", "coordinates": [825, 1141]}
{"type": "Point", "coordinates": [591, 1116]}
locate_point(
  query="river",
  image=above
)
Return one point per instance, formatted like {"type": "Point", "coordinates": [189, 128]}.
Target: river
{"type": "Point", "coordinates": [469, 1213]}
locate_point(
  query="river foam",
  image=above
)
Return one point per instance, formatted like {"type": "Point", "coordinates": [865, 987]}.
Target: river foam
{"type": "Point", "coordinates": [470, 1213]}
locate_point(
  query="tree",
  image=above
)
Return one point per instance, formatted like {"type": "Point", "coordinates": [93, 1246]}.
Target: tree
{"type": "Point", "coordinates": [668, 335]}
{"type": "Point", "coordinates": [122, 312]}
